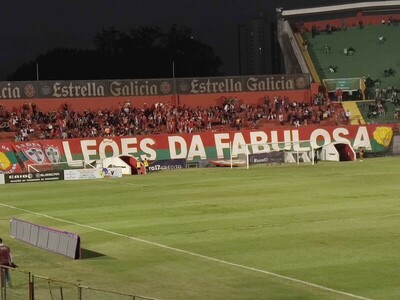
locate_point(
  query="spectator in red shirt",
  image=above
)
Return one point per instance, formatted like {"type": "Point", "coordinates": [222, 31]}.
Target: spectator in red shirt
{"type": "Point", "coordinates": [6, 260]}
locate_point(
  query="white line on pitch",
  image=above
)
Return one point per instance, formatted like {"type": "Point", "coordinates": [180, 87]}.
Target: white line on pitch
{"type": "Point", "coordinates": [193, 254]}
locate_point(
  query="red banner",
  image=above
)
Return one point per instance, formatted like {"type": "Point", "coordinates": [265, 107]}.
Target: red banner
{"type": "Point", "coordinates": [194, 147]}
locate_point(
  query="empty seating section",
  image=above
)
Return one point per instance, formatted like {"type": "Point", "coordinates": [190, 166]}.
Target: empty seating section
{"type": "Point", "coordinates": [357, 52]}
{"type": "Point", "coordinates": [358, 46]}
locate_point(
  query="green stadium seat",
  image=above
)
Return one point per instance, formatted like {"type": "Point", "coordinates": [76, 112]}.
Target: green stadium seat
{"type": "Point", "coordinates": [370, 57]}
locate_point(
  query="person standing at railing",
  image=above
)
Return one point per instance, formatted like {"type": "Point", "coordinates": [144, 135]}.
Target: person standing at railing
{"type": "Point", "coordinates": [6, 260]}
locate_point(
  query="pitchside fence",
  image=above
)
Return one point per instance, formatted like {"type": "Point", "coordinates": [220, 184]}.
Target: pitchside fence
{"type": "Point", "coordinates": [27, 286]}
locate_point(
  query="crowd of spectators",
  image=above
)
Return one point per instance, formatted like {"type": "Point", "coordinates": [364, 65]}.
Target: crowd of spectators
{"type": "Point", "coordinates": [30, 123]}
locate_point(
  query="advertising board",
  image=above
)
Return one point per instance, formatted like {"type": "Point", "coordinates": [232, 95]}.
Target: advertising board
{"type": "Point", "coordinates": [170, 164]}
{"type": "Point", "coordinates": [79, 174]}
{"type": "Point", "coordinates": [82, 174]}
{"type": "Point", "coordinates": [33, 177]}
{"type": "Point", "coordinates": [267, 158]}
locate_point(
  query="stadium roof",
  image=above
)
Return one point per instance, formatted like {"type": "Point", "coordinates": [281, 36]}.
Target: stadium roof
{"type": "Point", "coordinates": [341, 7]}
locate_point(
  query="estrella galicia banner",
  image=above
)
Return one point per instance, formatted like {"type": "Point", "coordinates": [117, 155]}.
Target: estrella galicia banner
{"type": "Point", "coordinates": [63, 89]}
{"type": "Point", "coordinates": [236, 84]}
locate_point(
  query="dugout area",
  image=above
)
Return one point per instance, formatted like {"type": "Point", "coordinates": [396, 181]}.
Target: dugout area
{"type": "Point", "coordinates": [338, 152]}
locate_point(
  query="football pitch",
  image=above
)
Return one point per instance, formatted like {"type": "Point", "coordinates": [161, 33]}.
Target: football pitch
{"type": "Point", "coordinates": [328, 231]}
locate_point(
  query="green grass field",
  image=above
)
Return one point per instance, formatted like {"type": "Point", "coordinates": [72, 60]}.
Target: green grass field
{"type": "Point", "coordinates": [329, 231]}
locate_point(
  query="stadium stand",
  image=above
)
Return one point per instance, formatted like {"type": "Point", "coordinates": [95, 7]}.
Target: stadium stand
{"type": "Point", "coordinates": [29, 123]}
{"type": "Point", "coordinates": [352, 48]}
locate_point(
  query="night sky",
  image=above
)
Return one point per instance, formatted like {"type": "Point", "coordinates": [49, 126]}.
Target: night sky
{"type": "Point", "coordinates": [31, 28]}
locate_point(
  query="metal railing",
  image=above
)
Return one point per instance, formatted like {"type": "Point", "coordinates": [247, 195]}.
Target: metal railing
{"type": "Point", "coordinates": [17, 284]}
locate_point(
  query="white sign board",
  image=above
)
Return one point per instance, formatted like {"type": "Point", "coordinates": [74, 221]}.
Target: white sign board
{"type": "Point", "coordinates": [82, 174]}
{"type": "Point", "coordinates": [92, 173]}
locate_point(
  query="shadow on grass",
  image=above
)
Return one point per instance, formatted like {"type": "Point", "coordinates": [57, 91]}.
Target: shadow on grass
{"type": "Point", "coordinates": [86, 254]}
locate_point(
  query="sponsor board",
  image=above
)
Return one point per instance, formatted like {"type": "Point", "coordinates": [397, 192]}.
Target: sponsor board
{"type": "Point", "coordinates": [237, 84]}
{"type": "Point", "coordinates": [2, 179]}
{"type": "Point", "coordinates": [33, 177]}
{"type": "Point", "coordinates": [151, 87]}
{"type": "Point", "coordinates": [82, 174]}
{"type": "Point", "coordinates": [163, 165]}
{"type": "Point", "coordinates": [267, 158]}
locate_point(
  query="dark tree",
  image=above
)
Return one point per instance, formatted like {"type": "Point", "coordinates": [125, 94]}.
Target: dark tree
{"type": "Point", "coordinates": [191, 57]}
{"type": "Point", "coordinates": [63, 64]}
{"type": "Point", "coordinates": [145, 52]}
